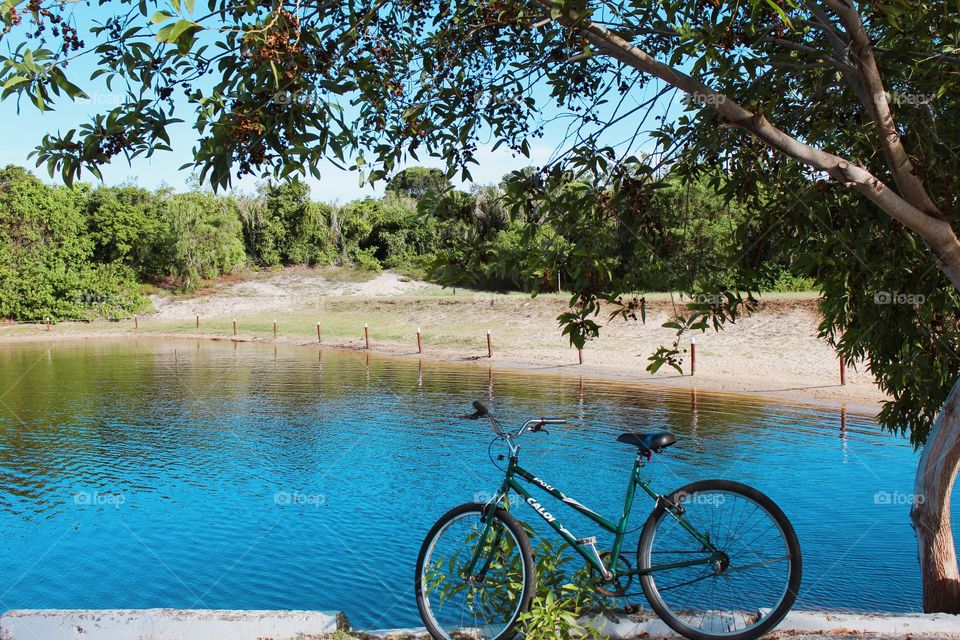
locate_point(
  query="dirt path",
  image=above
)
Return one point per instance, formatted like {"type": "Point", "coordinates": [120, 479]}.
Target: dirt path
{"type": "Point", "coordinates": [285, 290]}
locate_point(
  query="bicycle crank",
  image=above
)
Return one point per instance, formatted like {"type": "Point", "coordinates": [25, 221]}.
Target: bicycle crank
{"type": "Point", "coordinates": [614, 587]}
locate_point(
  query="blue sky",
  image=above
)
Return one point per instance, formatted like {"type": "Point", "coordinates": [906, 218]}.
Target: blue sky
{"type": "Point", "coordinates": [23, 131]}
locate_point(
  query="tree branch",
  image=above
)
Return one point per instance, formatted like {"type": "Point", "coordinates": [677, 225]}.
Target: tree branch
{"type": "Point", "coordinates": [909, 185]}
{"type": "Point", "coordinates": [933, 229]}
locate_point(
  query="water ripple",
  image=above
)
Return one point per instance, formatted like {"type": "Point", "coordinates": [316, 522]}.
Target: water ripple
{"type": "Point", "coordinates": [172, 474]}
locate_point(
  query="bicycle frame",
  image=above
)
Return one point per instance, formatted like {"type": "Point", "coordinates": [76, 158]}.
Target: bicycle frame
{"type": "Point", "coordinates": [586, 546]}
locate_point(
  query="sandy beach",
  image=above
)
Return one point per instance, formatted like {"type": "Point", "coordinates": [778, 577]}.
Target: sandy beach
{"type": "Point", "coordinates": [773, 353]}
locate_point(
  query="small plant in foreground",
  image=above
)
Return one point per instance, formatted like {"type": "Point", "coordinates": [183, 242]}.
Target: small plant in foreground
{"type": "Point", "coordinates": [562, 598]}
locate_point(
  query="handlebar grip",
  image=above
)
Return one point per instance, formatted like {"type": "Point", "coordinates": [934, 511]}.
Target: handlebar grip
{"type": "Point", "coordinates": [481, 412]}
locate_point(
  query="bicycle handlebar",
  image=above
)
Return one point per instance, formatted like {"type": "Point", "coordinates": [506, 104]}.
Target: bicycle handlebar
{"type": "Point", "coordinates": [535, 424]}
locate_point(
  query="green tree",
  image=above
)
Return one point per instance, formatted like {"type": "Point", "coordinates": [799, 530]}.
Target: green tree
{"type": "Point", "coordinates": [844, 107]}
{"type": "Point", "coordinates": [302, 236]}
{"type": "Point", "coordinates": [387, 232]}
{"type": "Point", "coordinates": [124, 223]}
{"type": "Point", "coordinates": [264, 234]}
{"type": "Point", "coordinates": [204, 237]}
{"type": "Point", "coordinates": [46, 256]}
{"type": "Point", "coordinates": [416, 182]}
{"type": "Point", "coordinates": [309, 238]}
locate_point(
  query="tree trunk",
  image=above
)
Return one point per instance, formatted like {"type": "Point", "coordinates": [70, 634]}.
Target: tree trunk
{"type": "Point", "coordinates": [931, 510]}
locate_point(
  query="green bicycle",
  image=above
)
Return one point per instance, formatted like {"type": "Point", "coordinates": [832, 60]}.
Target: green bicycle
{"type": "Point", "coordinates": [716, 559]}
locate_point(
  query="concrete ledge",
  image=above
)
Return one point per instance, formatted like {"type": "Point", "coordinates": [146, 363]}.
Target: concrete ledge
{"type": "Point", "coordinates": [796, 624]}
{"type": "Point", "coordinates": [206, 624]}
{"type": "Point", "coordinates": [807, 622]}
{"type": "Point", "coordinates": [165, 624]}
{"type": "Point", "coordinates": [883, 623]}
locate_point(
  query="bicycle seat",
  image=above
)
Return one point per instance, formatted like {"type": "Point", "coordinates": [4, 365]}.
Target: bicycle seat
{"type": "Point", "coordinates": [648, 442]}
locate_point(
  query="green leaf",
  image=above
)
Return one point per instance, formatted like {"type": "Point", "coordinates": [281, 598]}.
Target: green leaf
{"type": "Point", "coordinates": [161, 16]}
{"type": "Point", "coordinates": [180, 31]}
{"type": "Point", "coordinates": [15, 80]}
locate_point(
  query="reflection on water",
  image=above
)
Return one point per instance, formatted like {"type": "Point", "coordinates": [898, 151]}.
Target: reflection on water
{"type": "Point", "coordinates": [180, 474]}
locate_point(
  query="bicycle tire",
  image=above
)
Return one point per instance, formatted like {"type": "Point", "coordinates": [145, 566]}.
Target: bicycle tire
{"type": "Point", "coordinates": [765, 622]}
{"type": "Point", "coordinates": [529, 581]}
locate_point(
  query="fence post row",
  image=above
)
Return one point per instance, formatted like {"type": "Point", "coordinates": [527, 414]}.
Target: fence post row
{"type": "Point", "coordinates": [489, 334]}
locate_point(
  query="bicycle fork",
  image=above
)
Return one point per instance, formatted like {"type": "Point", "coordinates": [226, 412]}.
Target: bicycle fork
{"type": "Point", "coordinates": [468, 573]}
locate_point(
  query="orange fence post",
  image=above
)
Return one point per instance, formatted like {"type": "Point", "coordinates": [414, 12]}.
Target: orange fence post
{"type": "Point", "coordinates": [198, 321]}
{"type": "Point", "coordinates": [366, 335]}
{"type": "Point", "coordinates": [419, 341]}
{"type": "Point", "coordinates": [489, 345]}
{"type": "Point", "coordinates": [274, 328]}
{"type": "Point", "coordinates": [693, 355]}
{"type": "Point", "coordinates": [843, 371]}
{"type": "Point", "coordinates": [580, 355]}
{"type": "Point", "coordinates": [318, 333]}
{"type": "Point", "coordinates": [48, 323]}
{"type": "Point", "coordinates": [136, 322]}
{"type": "Point", "coordinates": [234, 326]}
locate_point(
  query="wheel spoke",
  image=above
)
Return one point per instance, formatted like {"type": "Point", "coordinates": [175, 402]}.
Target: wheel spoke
{"type": "Point", "coordinates": [744, 567]}
{"type": "Point", "coordinates": [485, 603]}
{"type": "Point", "coordinates": [685, 583]}
{"type": "Point", "coordinates": [751, 571]}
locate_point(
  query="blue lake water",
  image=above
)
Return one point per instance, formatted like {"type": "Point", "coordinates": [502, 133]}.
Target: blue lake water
{"type": "Point", "coordinates": [145, 473]}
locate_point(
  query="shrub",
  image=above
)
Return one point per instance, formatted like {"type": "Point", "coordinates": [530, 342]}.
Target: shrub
{"type": "Point", "coordinates": [366, 260]}
{"type": "Point", "coordinates": [563, 596]}
{"type": "Point", "coordinates": [124, 224]}
{"type": "Point", "coordinates": [263, 232]}
{"type": "Point", "coordinates": [46, 256]}
{"type": "Point", "coordinates": [309, 240]}
{"type": "Point", "coordinates": [203, 237]}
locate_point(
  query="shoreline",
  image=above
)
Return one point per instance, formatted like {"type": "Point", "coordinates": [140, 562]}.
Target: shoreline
{"type": "Point", "coordinates": [587, 372]}
{"type": "Point", "coordinates": [774, 353]}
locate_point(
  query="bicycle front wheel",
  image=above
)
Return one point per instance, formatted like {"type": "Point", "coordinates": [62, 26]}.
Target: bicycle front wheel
{"type": "Point", "coordinates": [739, 591]}
{"type": "Point", "coordinates": [475, 574]}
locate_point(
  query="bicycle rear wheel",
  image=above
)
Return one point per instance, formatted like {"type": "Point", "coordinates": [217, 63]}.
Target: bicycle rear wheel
{"type": "Point", "coordinates": [485, 604]}
{"type": "Point", "coordinates": [739, 594]}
